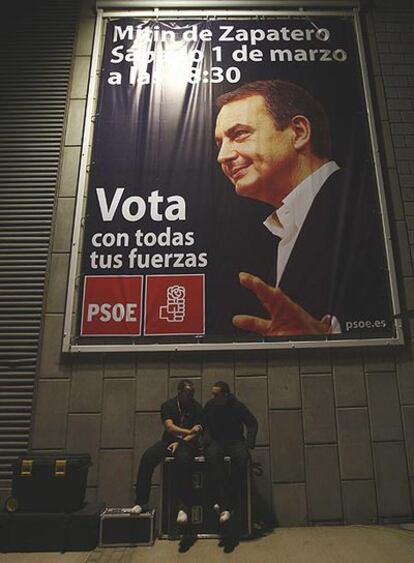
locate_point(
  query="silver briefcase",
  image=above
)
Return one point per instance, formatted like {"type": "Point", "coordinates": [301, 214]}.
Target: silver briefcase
{"type": "Point", "coordinates": [121, 527]}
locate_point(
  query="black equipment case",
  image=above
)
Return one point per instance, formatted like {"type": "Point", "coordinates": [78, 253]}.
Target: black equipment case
{"type": "Point", "coordinates": [52, 482]}
{"type": "Point", "coordinates": [203, 520]}
{"type": "Point", "coordinates": [33, 531]}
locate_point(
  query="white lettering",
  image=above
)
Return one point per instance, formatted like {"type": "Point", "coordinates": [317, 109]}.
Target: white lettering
{"type": "Point", "coordinates": [108, 213]}
{"type": "Point", "coordinates": [110, 239]}
{"type": "Point", "coordinates": [117, 312]}
{"type": "Point", "coordinates": [93, 310]}
{"type": "Point", "coordinates": [127, 208]}
{"type": "Point", "coordinates": [117, 53]}
{"type": "Point", "coordinates": [323, 34]}
{"type": "Point", "coordinates": [279, 55]}
{"type": "Point", "coordinates": [175, 211]}
{"type": "Point", "coordinates": [225, 35]}
{"type": "Point", "coordinates": [154, 199]}
{"type": "Point", "coordinates": [120, 34]}
{"type": "Point", "coordinates": [115, 78]}
{"type": "Point", "coordinates": [133, 208]}
{"type": "Point", "coordinates": [303, 55]}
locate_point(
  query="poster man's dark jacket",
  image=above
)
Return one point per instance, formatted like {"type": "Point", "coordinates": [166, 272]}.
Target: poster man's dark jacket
{"type": "Point", "coordinates": [225, 422]}
{"type": "Point", "coordinates": [337, 265]}
{"type": "Point", "coordinates": [184, 417]}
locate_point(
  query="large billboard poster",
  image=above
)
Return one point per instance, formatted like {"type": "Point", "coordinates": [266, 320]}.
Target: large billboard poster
{"type": "Point", "coordinates": [232, 190]}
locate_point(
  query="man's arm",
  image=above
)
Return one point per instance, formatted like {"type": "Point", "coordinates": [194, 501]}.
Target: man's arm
{"type": "Point", "coordinates": [188, 434]}
{"type": "Point", "coordinates": [167, 417]}
{"type": "Point", "coordinates": [206, 436]}
{"type": "Point", "coordinates": [199, 425]}
{"type": "Point", "coordinates": [287, 318]}
{"type": "Point", "coordinates": [174, 429]}
{"type": "Point", "coordinates": [189, 438]}
{"type": "Point", "coordinates": [251, 424]}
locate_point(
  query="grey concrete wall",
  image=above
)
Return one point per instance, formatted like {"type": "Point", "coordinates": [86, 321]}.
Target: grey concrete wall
{"type": "Point", "coordinates": [336, 427]}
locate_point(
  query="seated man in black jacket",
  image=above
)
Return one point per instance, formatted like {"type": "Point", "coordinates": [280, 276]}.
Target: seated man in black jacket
{"type": "Point", "coordinates": [225, 417]}
{"type": "Point", "coordinates": [183, 421]}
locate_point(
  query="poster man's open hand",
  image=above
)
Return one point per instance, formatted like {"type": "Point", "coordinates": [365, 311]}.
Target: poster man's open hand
{"type": "Point", "coordinates": [287, 318]}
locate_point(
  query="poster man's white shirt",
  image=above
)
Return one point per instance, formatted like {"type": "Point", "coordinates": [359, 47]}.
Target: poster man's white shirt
{"type": "Point", "coordinates": [287, 221]}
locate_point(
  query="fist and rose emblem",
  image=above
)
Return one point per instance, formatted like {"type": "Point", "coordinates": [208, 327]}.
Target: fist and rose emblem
{"type": "Point", "coordinates": [174, 309]}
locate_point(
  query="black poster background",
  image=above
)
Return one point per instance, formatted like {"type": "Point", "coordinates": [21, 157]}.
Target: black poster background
{"type": "Point", "coordinates": [160, 136]}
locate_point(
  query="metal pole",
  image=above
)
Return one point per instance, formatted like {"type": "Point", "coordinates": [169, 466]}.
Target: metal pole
{"type": "Point", "coordinates": [379, 177]}
{"type": "Point", "coordinates": [82, 184]}
{"type": "Point", "coordinates": [200, 4]}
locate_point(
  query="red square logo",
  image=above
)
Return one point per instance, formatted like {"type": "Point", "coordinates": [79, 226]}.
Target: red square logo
{"type": "Point", "coordinates": [112, 306]}
{"type": "Point", "coordinates": [174, 304]}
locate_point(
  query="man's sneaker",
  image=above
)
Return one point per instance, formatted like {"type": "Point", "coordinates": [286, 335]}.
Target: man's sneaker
{"type": "Point", "coordinates": [217, 508]}
{"type": "Point", "coordinates": [136, 509]}
{"type": "Point", "coordinates": [182, 518]}
{"type": "Point", "coordinates": [224, 516]}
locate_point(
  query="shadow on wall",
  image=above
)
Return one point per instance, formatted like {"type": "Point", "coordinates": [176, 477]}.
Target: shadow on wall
{"type": "Point", "coordinates": [263, 516]}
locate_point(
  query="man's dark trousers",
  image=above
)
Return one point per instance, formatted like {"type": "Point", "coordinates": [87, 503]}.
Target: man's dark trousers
{"type": "Point", "coordinates": [154, 455]}
{"type": "Point", "coordinates": [225, 489]}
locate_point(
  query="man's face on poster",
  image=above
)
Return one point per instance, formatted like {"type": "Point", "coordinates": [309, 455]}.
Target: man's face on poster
{"type": "Point", "coordinates": [257, 157]}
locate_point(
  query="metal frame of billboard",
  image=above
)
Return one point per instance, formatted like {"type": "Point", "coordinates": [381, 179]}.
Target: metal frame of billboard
{"type": "Point", "coordinates": [105, 12]}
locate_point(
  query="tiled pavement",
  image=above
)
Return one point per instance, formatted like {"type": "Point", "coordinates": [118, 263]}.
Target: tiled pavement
{"type": "Point", "coordinates": [328, 544]}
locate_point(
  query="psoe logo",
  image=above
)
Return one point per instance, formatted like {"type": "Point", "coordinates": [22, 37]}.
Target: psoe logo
{"type": "Point", "coordinates": [174, 304]}
{"type": "Point", "coordinates": [174, 309]}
